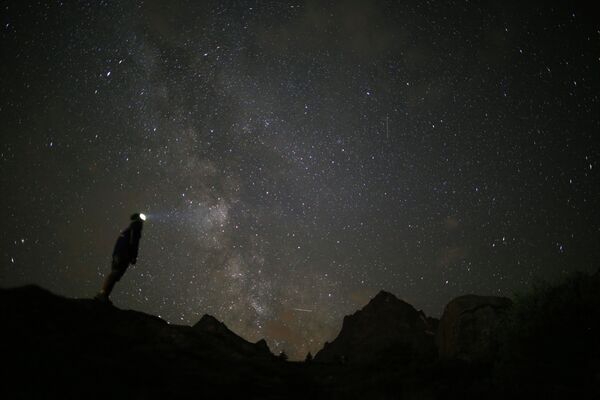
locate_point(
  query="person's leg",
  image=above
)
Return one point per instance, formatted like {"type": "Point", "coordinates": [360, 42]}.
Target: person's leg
{"type": "Point", "coordinates": [117, 271]}
{"type": "Point", "coordinates": [109, 282]}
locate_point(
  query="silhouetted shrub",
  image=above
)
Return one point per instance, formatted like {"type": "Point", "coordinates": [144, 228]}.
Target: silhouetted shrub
{"type": "Point", "coordinates": [551, 337]}
{"type": "Point", "coordinates": [308, 358]}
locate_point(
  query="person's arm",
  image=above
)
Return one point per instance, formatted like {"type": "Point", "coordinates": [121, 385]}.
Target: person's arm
{"type": "Point", "coordinates": [134, 244]}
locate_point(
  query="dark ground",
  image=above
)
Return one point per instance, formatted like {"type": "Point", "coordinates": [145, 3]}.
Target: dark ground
{"type": "Point", "coordinates": [53, 347]}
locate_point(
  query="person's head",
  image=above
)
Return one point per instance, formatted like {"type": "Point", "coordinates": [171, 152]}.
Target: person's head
{"type": "Point", "coordinates": [137, 219]}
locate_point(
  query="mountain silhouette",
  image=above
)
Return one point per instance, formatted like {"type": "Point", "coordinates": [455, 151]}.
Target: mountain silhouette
{"type": "Point", "coordinates": [72, 348]}
{"type": "Point", "coordinates": [542, 346]}
{"type": "Point", "coordinates": [239, 346]}
{"type": "Point", "coordinates": [387, 328]}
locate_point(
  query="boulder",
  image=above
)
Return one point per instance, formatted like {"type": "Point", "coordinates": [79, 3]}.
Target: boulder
{"type": "Point", "coordinates": [468, 327]}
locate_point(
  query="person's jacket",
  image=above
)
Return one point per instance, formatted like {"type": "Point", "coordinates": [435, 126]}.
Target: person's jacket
{"type": "Point", "coordinates": [128, 242]}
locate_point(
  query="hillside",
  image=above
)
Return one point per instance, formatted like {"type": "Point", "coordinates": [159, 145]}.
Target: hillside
{"type": "Point", "coordinates": [542, 345]}
{"type": "Point", "coordinates": [80, 348]}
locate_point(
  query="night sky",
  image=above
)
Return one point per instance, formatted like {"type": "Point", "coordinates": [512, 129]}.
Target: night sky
{"type": "Point", "coordinates": [294, 158]}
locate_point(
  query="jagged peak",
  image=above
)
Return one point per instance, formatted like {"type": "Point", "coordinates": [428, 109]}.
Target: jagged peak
{"type": "Point", "coordinates": [262, 344]}
{"type": "Point", "coordinates": [379, 304]}
{"type": "Point", "coordinates": [207, 318]}
{"type": "Point", "coordinates": [385, 321]}
{"type": "Point", "coordinates": [210, 323]}
{"type": "Point", "coordinates": [384, 296]}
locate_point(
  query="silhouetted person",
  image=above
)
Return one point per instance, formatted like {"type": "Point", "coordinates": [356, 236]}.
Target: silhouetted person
{"type": "Point", "coordinates": [125, 253]}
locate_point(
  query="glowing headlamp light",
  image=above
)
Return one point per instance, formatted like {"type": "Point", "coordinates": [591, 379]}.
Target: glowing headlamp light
{"type": "Point", "coordinates": [142, 216]}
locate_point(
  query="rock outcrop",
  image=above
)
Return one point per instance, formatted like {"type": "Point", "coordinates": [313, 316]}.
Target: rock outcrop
{"type": "Point", "coordinates": [54, 347]}
{"type": "Point", "coordinates": [467, 329]}
{"type": "Point", "coordinates": [386, 330]}
{"type": "Point", "coordinates": [211, 325]}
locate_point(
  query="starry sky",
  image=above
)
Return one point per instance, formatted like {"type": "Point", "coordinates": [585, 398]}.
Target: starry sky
{"type": "Point", "coordinates": [294, 158]}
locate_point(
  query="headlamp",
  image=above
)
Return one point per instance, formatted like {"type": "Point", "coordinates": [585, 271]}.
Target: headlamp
{"type": "Point", "coordinates": [142, 216]}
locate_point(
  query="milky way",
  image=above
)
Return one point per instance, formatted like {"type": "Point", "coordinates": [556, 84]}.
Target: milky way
{"type": "Point", "coordinates": [294, 158]}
